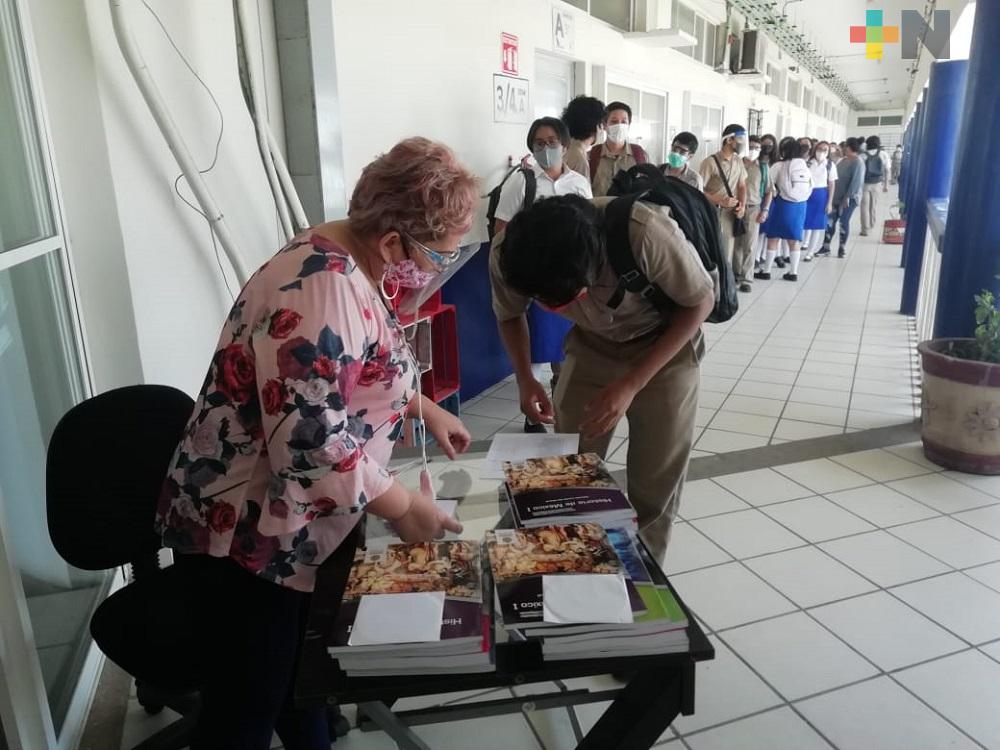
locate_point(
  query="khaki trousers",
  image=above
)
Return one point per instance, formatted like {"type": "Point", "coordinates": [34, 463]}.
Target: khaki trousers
{"type": "Point", "coordinates": [660, 422]}
{"type": "Point", "coordinates": [726, 225]}
{"type": "Point", "coordinates": [869, 206]}
{"type": "Point", "coordinates": [745, 247]}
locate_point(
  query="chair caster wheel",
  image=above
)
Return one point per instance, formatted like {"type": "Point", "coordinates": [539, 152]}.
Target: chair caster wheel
{"type": "Point", "coordinates": [338, 723]}
{"type": "Point", "coordinates": [149, 703]}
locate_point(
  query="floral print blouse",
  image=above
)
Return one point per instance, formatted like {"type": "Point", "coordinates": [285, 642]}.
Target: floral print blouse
{"type": "Point", "coordinates": [296, 420]}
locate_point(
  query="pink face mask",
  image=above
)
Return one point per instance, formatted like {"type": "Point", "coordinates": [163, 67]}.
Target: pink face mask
{"type": "Point", "coordinates": [408, 274]}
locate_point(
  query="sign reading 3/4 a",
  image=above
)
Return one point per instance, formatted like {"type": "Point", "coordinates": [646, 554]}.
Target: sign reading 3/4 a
{"type": "Point", "coordinates": [511, 100]}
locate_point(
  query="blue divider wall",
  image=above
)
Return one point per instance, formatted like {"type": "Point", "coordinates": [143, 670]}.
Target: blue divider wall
{"type": "Point", "coordinates": [970, 256]}
{"type": "Point", "coordinates": [482, 358]}
{"type": "Point", "coordinates": [942, 118]}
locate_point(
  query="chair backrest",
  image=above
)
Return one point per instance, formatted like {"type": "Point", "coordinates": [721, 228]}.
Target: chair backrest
{"type": "Point", "coordinates": [106, 465]}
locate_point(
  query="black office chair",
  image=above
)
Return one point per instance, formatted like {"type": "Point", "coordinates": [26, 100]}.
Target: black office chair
{"type": "Point", "coordinates": [107, 460]}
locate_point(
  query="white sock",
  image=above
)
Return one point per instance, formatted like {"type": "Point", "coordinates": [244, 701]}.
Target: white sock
{"type": "Point", "coordinates": [784, 249]}
{"type": "Point", "coordinates": [807, 239]}
{"type": "Point", "coordinates": [795, 255]}
{"type": "Point", "coordinates": [771, 255]}
{"type": "Point", "coordinates": [536, 372]}
{"type": "Point", "coordinates": [815, 241]}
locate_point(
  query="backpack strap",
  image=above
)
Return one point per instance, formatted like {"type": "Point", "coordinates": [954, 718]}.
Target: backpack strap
{"type": "Point", "coordinates": [617, 214]}
{"type": "Point", "coordinates": [594, 157]}
{"type": "Point", "coordinates": [530, 187]}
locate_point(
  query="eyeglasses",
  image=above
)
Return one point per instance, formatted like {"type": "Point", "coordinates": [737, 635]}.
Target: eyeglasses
{"type": "Point", "coordinates": [439, 259]}
{"type": "Point", "coordinates": [680, 150]}
{"type": "Point", "coordinates": [550, 143]}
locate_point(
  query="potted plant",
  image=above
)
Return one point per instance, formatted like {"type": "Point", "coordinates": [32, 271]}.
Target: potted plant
{"type": "Point", "coordinates": [961, 395]}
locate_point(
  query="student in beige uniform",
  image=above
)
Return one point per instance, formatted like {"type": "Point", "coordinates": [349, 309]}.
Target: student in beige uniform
{"type": "Point", "coordinates": [760, 192]}
{"type": "Point", "coordinates": [584, 118]}
{"type": "Point", "coordinates": [617, 154]}
{"type": "Point", "coordinates": [629, 361]}
{"type": "Point", "coordinates": [678, 165]}
{"type": "Point", "coordinates": [727, 167]}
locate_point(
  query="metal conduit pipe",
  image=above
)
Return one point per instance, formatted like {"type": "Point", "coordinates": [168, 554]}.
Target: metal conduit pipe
{"type": "Point", "coordinates": [254, 96]}
{"type": "Point", "coordinates": [298, 212]}
{"type": "Point", "coordinates": [171, 133]}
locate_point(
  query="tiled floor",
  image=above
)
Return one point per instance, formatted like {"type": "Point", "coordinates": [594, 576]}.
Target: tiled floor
{"type": "Point", "coordinates": [861, 609]}
{"type": "Point", "coordinates": [827, 355]}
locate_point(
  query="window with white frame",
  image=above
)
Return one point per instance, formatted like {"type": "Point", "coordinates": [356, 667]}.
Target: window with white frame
{"type": "Point", "coordinates": [777, 85]}
{"type": "Point", "coordinates": [649, 116]}
{"type": "Point", "coordinates": [618, 13]}
{"type": "Point", "coordinates": [794, 91]}
{"type": "Point", "coordinates": [700, 27]}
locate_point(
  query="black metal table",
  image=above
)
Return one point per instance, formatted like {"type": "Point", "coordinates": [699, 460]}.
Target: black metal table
{"type": "Point", "coordinates": [658, 688]}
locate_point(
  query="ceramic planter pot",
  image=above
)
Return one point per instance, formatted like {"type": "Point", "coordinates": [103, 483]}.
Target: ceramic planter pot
{"type": "Point", "coordinates": [961, 408]}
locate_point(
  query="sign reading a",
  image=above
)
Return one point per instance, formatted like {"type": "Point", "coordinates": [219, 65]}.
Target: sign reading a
{"type": "Point", "coordinates": [508, 54]}
{"type": "Point", "coordinates": [562, 31]}
{"type": "Point", "coordinates": [510, 99]}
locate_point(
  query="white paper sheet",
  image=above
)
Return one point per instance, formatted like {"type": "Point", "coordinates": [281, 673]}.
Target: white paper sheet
{"type": "Point", "coordinates": [398, 618]}
{"type": "Point", "coordinates": [584, 598]}
{"type": "Point", "coordinates": [519, 446]}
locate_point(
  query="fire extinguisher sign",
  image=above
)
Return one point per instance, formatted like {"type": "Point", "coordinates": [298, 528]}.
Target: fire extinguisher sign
{"type": "Point", "coordinates": [508, 54]}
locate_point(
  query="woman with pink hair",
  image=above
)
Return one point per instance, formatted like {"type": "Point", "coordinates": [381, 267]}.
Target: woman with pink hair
{"type": "Point", "coordinates": [305, 396]}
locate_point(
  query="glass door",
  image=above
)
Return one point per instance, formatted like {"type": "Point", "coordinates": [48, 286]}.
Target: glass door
{"type": "Point", "coordinates": [706, 124]}
{"type": "Point", "coordinates": [46, 604]}
{"type": "Point", "coordinates": [554, 84]}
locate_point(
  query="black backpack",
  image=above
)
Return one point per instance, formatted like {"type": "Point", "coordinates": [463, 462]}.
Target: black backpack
{"type": "Point", "coordinates": [874, 168]}
{"type": "Point", "coordinates": [696, 217]}
{"type": "Point", "coordinates": [530, 188]}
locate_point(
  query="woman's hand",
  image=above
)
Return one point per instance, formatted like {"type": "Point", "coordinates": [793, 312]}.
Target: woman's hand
{"type": "Point", "coordinates": [762, 215]}
{"type": "Point", "coordinates": [605, 411]}
{"type": "Point", "coordinates": [424, 521]}
{"type": "Point", "coordinates": [447, 430]}
{"type": "Point", "coordinates": [535, 402]}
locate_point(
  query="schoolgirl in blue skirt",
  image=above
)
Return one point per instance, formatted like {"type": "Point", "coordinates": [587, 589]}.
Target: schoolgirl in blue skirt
{"type": "Point", "coordinates": [824, 175]}
{"type": "Point", "coordinates": [793, 185]}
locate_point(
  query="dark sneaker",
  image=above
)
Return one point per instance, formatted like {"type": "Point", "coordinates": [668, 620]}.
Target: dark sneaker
{"type": "Point", "coordinates": [825, 250]}
{"type": "Point", "coordinates": [533, 428]}
{"type": "Point", "coordinates": [791, 277]}
{"type": "Point", "coordinates": [745, 287]}
{"type": "Point", "coordinates": [762, 275]}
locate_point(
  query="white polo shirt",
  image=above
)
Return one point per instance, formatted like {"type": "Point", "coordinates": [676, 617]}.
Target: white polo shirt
{"type": "Point", "coordinates": [821, 175]}
{"type": "Point", "coordinates": [512, 195]}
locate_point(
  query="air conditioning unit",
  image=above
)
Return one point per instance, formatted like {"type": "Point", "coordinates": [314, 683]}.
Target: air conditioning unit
{"type": "Point", "coordinates": [752, 51]}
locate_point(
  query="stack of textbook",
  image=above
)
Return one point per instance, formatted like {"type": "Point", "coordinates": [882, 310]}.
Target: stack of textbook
{"type": "Point", "coordinates": [566, 489]}
{"type": "Point", "coordinates": [615, 607]}
{"type": "Point", "coordinates": [378, 634]}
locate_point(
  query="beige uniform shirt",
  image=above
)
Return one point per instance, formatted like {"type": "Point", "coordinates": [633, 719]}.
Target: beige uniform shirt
{"type": "Point", "coordinates": [688, 175]}
{"type": "Point", "coordinates": [754, 177]}
{"type": "Point", "coordinates": [576, 158]}
{"type": "Point", "coordinates": [610, 165]}
{"type": "Point", "coordinates": [733, 170]}
{"type": "Point", "coordinates": [664, 255]}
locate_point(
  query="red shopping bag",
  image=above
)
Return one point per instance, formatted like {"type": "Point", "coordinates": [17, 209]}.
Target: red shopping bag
{"type": "Point", "coordinates": [894, 230]}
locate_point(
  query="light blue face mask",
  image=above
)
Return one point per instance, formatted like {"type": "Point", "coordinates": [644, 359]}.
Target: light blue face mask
{"type": "Point", "coordinates": [548, 157]}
